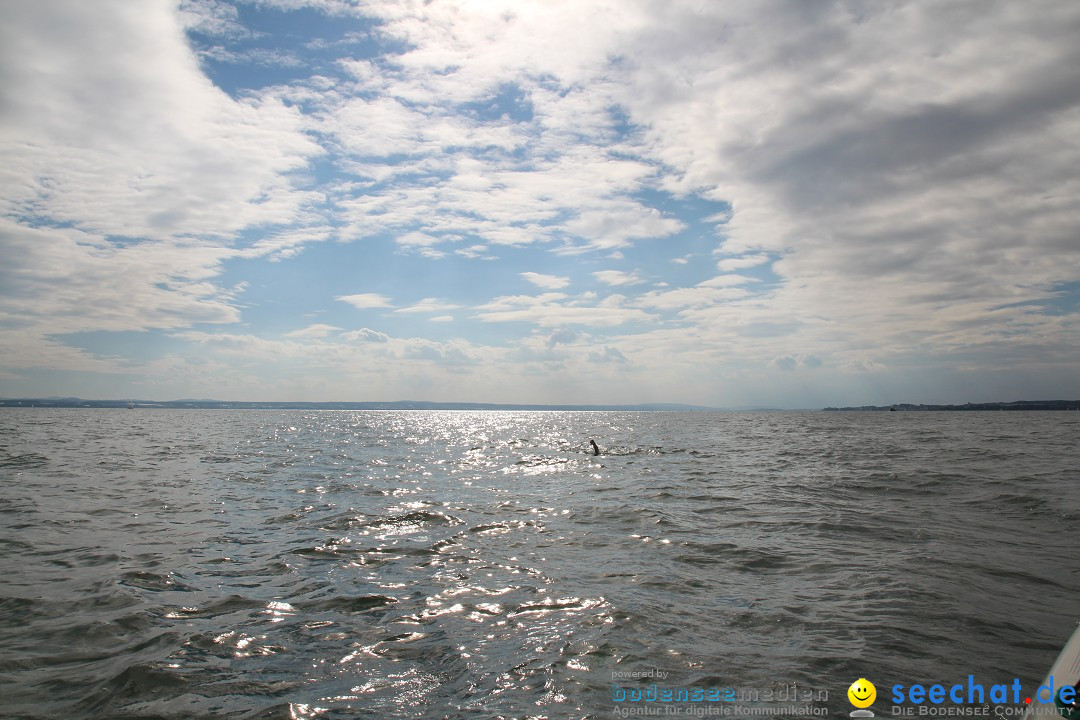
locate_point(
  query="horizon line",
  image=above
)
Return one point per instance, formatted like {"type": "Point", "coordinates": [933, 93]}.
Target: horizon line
{"type": "Point", "coordinates": [72, 401]}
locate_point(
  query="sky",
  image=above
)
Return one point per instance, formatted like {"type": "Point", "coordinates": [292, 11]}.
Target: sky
{"type": "Point", "coordinates": [769, 203]}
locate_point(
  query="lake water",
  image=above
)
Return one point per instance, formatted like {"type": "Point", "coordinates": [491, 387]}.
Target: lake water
{"type": "Point", "coordinates": [250, 564]}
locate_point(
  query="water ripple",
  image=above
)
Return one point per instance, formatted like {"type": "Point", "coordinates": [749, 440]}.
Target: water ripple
{"type": "Point", "coordinates": [217, 564]}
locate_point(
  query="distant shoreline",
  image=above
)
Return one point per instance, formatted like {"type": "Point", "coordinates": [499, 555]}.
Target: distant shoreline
{"type": "Point", "coordinates": [399, 405]}
{"type": "Point", "coordinates": [1016, 405]}
{"type": "Point", "coordinates": [70, 402]}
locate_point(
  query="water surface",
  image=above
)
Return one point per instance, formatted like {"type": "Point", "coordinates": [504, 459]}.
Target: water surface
{"type": "Point", "coordinates": [250, 564]}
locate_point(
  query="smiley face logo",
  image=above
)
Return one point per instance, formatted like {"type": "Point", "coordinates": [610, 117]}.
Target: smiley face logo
{"type": "Point", "coordinates": [862, 693]}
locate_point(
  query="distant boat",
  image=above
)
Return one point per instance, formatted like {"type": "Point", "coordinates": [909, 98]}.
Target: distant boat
{"type": "Point", "coordinates": [892, 409]}
{"type": "Point", "coordinates": [131, 405]}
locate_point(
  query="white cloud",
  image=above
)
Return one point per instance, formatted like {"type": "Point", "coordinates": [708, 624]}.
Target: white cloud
{"type": "Point", "coordinates": [787, 363]}
{"type": "Point", "coordinates": [863, 365]}
{"type": "Point", "coordinates": [909, 188]}
{"type": "Point", "coordinates": [110, 125]}
{"type": "Point", "coordinates": [366, 301]}
{"type": "Point", "coordinates": [617, 277]}
{"type": "Point", "coordinates": [608, 355]}
{"type": "Point", "coordinates": [741, 263]}
{"type": "Point", "coordinates": [557, 310]}
{"type": "Point", "coordinates": [889, 161]}
{"type": "Point", "coordinates": [690, 297]}
{"type": "Point", "coordinates": [65, 280]}
{"type": "Point", "coordinates": [564, 337]}
{"type": "Point", "coordinates": [447, 355]}
{"type": "Point", "coordinates": [428, 305]}
{"type": "Point", "coordinates": [547, 282]}
{"type": "Point", "coordinates": [212, 17]}
{"type": "Point", "coordinates": [417, 239]}
{"type": "Point", "coordinates": [574, 196]}
{"type": "Point", "coordinates": [727, 281]}
{"type": "Point", "coordinates": [318, 330]}
{"type": "Point", "coordinates": [566, 186]}
{"type": "Point", "coordinates": [266, 58]}
{"type": "Point", "coordinates": [475, 252]}
{"type": "Point", "coordinates": [618, 223]}
{"type": "Point", "coordinates": [368, 354]}
{"type": "Point", "coordinates": [288, 243]}
{"type": "Point", "coordinates": [365, 335]}
{"type": "Point", "coordinates": [377, 127]}
{"type": "Point", "coordinates": [127, 177]}
{"type": "Point", "coordinates": [790, 363]}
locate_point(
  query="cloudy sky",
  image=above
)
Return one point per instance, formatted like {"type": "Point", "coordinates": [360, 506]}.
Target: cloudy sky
{"type": "Point", "coordinates": [770, 203]}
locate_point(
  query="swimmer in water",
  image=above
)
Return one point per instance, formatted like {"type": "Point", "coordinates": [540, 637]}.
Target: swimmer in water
{"type": "Point", "coordinates": [595, 448]}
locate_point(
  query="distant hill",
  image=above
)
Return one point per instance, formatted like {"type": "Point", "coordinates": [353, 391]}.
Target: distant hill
{"type": "Point", "coordinates": [54, 402]}
{"type": "Point", "coordinates": [1017, 405]}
